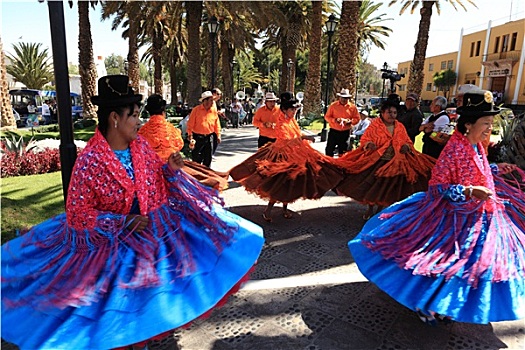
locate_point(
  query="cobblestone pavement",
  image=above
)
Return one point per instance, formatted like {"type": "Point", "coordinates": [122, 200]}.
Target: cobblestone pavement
{"type": "Point", "coordinates": [306, 291]}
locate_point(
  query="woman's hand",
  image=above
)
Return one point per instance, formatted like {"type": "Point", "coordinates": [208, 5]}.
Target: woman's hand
{"type": "Point", "coordinates": [479, 192]}
{"type": "Point", "coordinates": [136, 222]}
{"type": "Point", "coordinates": [404, 149]}
{"type": "Point", "coordinates": [370, 146]}
{"type": "Point", "coordinates": [175, 161]}
{"type": "Point", "coordinates": [505, 168]}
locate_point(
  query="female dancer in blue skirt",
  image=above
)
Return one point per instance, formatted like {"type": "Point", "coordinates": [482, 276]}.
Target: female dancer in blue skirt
{"type": "Point", "coordinates": [458, 250]}
{"type": "Point", "coordinates": [141, 250]}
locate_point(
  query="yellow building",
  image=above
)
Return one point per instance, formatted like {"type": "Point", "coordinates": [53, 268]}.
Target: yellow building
{"type": "Point", "coordinates": [492, 59]}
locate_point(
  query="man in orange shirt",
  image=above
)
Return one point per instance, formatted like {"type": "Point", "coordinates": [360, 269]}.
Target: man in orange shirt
{"type": "Point", "coordinates": [341, 115]}
{"type": "Point", "coordinates": [202, 124]}
{"type": "Point", "coordinates": [265, 119]}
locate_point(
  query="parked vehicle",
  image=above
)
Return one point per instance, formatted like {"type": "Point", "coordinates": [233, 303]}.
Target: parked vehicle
{"type": "Point", "coordinates": [20, 98]}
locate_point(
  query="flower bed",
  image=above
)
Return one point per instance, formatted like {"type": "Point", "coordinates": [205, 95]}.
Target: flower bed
{"type": "Point", "coordinates": [37, 157]}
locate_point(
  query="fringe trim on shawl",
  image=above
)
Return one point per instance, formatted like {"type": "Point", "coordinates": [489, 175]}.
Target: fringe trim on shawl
{"type": "Point", "coordinates": [448, 243]}
{"type": "Point", "coordinates": [83, 263]}
{"type": "Point", "coordinates": [411, 165]}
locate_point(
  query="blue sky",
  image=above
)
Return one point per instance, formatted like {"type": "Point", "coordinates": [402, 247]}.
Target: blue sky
{"type": "Point", "coordinates": [28, 21]}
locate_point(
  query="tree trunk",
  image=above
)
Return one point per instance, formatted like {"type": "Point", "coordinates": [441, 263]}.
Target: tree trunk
{"type": "Point", "coordinates": [158, 42]}
{"type": "Point", "coordinates": [86, 64]}
{"type": "Point", "coordinates": [174, 81]}
{"type": "Point", "coordinates": [7, 121]}
{"type": "Point", "coordinates": [226, 57]}
{"type": "Point", "coordinates": [416, 74]}
{"type": "Point", "coordinates": [312, 95]}
{"type": "Point", "coordinates": [345, 71]}
{"type": "Point", "coordinates": [133, 51]}
{"type": "Point", "coordinates": [194, 14]}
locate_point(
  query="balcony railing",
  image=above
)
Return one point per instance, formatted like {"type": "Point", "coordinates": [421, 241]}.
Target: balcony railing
{"type": "Point", "coordinates": [509, 55]}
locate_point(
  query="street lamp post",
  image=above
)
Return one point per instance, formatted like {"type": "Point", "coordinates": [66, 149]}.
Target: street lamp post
{"type": "Point", "coordinates": [234, 62]}
{"type": "Point", "coordinates": [289, 64]}
{"type": "Point", "coordinates": [150, 90]}
{"type": "Point", "coordinates": [385, 67]}
{"type": "Point", "coordinates": [213, 28]}
{"type": "Point", "coordinates": [67, 148]}
{"type": "Point", "coordinates": [331, 25]}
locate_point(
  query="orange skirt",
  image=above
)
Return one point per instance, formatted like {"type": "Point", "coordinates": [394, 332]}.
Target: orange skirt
{"type": "Point", "coordinates": [287, 170]}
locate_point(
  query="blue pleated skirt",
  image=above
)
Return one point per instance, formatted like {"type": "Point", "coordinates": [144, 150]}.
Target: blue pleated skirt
{"type": "Point", "coordinates": [124, 315]}
{"type": "Point", "coordinates": [456, 297]}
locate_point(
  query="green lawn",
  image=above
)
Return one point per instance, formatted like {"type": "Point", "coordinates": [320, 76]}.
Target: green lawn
{"type": "Point", "coordinates": [29, 200]}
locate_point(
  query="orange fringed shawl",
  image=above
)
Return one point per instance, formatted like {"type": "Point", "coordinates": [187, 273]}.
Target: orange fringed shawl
{"type": "Point", "coordinates": [162, 136]}
{"type": "Point", "coordinates": [411, 164]}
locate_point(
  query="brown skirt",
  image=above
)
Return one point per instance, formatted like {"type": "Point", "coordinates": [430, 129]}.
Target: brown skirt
{"type": "Point", "coordinates": [368, 188]}
{"type": "Point", "coordinates": [287, 170]}
{"type": "Point", "coordinates": [206, 176]}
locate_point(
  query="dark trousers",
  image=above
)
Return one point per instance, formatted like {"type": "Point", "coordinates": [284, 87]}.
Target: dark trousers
{"type": "Point", "coordinates": [235, 120]}
{"type": "Point", "coordinates": [203, 149]}
{"type": "Point", "coordinates": [263, 140]}
{"type": "Point", "coordinates": [431, 147]}
{"type": "Point", "coordinates": [215, 142]}
{"type": "Point", "coordinates": [337, 139]}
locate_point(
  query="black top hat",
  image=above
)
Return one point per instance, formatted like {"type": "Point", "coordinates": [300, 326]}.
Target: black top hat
{"type": "Point", "coordinates": [293, 103]}
{"type": "Point", "coordinates": [478, 104]}
{"type": "Point", "coordinates": [286, 96]}
{"type": "Point", "coordinates": [114, 90]}
{"type": "Point", "coordinates": [155, 104]}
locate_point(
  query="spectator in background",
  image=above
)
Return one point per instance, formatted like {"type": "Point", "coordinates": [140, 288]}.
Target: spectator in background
{"type": "Point", "coordinates": [359, 129]}
{"type": "Point", "coordinates": [217, 95]}
{"type": "Point", "coordinates": [46, 112]}
{"type": "Point", "coordinates": [411, 117]}
{"type": "Point", "coordinates": [236, 109]}
{"type": "Point", "coordinates": [259, 104]}
{"type": "Point", "coordinates": [433, 124]}
{"type": "Point", "coordinates": [341, 115]}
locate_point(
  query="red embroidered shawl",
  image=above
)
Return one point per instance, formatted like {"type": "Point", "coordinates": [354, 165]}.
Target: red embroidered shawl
{"type": "Point", "coordinates": [99, 182]}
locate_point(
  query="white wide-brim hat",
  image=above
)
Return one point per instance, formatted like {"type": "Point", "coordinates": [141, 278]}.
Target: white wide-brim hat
{"type": "Point", "coordinates": [205, 95]}
{"type": "Point", "coordinates": [345, 93]}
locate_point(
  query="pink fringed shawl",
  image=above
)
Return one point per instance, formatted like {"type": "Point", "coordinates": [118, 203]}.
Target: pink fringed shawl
{"type": "Point", "coordinates": [439, 236]}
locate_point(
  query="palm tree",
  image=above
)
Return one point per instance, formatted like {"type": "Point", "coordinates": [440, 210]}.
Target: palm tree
{"type": "Point", "coordinates": [193, 25]}
{"type": "Point", "coordinates": [30, 66]}
{"type": "Point", "coordinates": [128, 14]}
{"type": "Point", "coordinates": [238, 23]}
{"type": "Point", "coordinates": [346, 66]}
{"type": "Point", "coordinates": [369, 27]}
{"type": "Point", "coordinates": [86, 63]}
{"type": "Point", "coordinates": [6, 110]}
{"type": "Point", "coordinates": [313, 78]}
{"type": "Point", "coordinates": [416, 73]}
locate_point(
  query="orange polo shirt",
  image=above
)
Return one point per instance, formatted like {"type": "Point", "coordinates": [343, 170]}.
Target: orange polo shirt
{"type": "Point", "coordinates": [338, 110]}
{"type": "Point", "coordinates": [263, 115]}
{"type": "Point", "coordinates": [203, 121]}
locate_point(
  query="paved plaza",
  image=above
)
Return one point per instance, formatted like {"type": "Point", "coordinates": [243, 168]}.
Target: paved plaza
{"type": "Point", "coordinates": [306, 291]}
